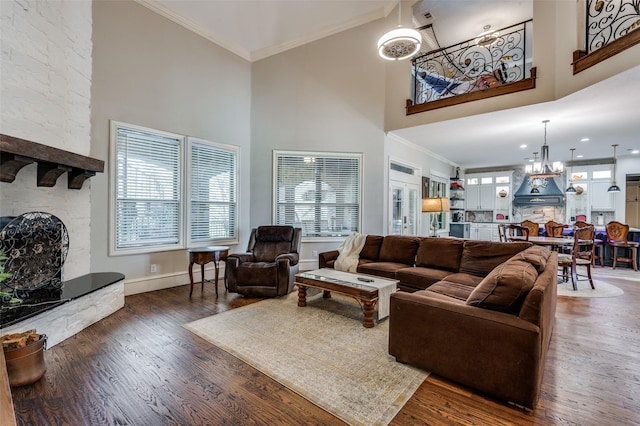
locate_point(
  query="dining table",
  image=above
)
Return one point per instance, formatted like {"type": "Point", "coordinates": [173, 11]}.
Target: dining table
{"type": "Point", "coordinates": [545, 241]}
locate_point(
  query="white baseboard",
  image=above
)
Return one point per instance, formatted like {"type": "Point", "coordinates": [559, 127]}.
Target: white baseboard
{"type": "Point", "coordinates": [174, 279]}
{"type": "Point", "coordinates": [308, 264]}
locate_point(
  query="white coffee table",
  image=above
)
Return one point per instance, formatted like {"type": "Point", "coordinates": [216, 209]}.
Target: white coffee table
{"type": "Point", "coordinates": [377, 291]}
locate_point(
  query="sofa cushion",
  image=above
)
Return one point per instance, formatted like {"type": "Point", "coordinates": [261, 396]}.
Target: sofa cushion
{"type": "Point", "coordinates": [536, 255]}
{"type": "Point", "coordinates": [451, 289]}
{"type": "Point", "coordinates": [505, 287]}
{"type": "Point", "coordinates": [380, 269]}
{"type": "Point", "coordinates": [420, 278]}
{"type": "Point", "coordinates": [399, 249]}
{"type": "Point", "coordinates": [371, 249]}
{"type": "Point", "coordinates": [440, 253]}
{"type": "Point", "coordinates": [480, 257]}
{"type": "Point", "coordinates": [466, 279]}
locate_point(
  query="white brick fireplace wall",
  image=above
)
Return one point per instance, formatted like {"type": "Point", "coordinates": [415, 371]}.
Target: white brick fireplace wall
{"type": "Point", "coordinates": [46, 69]}
{"type": "Point", "coordinates": [45, 82]}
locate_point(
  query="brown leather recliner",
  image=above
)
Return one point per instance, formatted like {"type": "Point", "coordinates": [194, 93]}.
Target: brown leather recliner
{"type": "Point", "coordinates": [269, 267]}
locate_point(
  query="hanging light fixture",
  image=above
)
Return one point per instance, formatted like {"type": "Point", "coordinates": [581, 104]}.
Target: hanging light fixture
{"type": "Point", "coordinates": [544, 169]}
{"type": "Point", "coordinates": [487, 37]}
{"type": "Point", "coordinates": [400, 43]}
{"type": "Point", "coordinates": [570, 189]}
{"type": "Point", "coordinates": [614, 187]}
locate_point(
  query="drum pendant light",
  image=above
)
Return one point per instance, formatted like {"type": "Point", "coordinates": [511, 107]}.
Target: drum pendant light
{"type": "Point", "coordinates": [400, 43]}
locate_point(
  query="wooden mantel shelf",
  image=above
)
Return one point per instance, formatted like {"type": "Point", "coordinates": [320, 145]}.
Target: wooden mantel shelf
{"type": "Point", "coordinates": [15, 153]}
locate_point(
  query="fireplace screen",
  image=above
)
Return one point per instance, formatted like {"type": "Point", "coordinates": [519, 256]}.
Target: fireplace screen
{"type": "Point", "coordinates": [35, 245]}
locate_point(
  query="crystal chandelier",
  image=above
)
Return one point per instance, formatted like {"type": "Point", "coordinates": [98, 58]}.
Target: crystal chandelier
{"type": "Point", "coordinates": [400, 43]}
{"type": "Point", "coordinates": [545, 168]}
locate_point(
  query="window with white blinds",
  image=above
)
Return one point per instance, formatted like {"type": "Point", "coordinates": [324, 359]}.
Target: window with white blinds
{"type": "Point", "coordinates": [213, 211]}
{"type": "Point", "coordinates": [318, 192]}
{"type": "Point", "coordinates": [159, 179]}
{"type": "Point", "coordinates": [147, 190]}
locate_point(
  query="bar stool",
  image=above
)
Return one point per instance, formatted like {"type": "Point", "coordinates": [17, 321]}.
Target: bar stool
{"type": "Point", "coordinates": [598, 245]}
{"type": "Point", "coordinates": [617, 238]}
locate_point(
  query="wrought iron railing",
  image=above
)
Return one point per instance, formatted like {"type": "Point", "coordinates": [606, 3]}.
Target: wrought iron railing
{"type": "Point", "coordinates": [609, 20]}
{"type": "Point", "coordinates": [467, 67]}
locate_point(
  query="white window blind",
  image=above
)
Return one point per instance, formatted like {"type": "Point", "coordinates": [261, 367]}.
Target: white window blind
{"type": "Point", "coordinates": [318, 192]}
{"type": "Point", "coordinates": [213, 191]}
{"type": "Point", "coordinates": [147, 192]}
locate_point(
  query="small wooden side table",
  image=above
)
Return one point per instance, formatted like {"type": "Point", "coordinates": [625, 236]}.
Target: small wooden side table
{"type": "Point", "coordinates": [204, 255]}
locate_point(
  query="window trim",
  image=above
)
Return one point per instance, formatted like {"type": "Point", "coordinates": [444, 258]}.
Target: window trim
{"type": "Point", "coordinates": [274, 193]}
{"type": "Point", "coordinates": [187, 204]}
{"type": "Point", "coordinates": [184, 236]}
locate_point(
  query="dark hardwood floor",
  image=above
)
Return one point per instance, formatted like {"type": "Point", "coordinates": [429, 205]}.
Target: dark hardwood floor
{"type": "Point", "coordinates": [139, 366]}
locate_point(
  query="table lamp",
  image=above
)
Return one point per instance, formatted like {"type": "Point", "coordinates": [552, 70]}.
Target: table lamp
{"type": "Point", "coordinates": [435, 205]}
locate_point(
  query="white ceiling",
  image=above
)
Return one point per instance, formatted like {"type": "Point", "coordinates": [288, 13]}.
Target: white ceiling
{"type": "Point", "coordinates": [606, 112]}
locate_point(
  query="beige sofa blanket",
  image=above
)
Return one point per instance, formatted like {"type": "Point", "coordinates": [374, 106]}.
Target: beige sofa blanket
{"type": "Point", "coordinates": [349, 252]}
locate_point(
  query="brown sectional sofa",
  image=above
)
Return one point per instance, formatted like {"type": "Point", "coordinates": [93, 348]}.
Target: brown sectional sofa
{"type": "Point", "coordinates": [478, 313]}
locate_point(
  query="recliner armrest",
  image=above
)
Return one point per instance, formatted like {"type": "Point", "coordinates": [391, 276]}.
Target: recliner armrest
{"type": "Point", "coordinates": [293, 257]}
{"type": "Point", "coordinates": [242, 257]}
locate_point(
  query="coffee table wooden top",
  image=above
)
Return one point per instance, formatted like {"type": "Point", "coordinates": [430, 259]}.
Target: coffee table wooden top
{"type": "Point", "coordinates": [346, 283]}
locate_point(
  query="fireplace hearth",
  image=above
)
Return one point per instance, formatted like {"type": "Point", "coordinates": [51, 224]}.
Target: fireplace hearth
{"type": "Point", "coordinates": [35, 245]}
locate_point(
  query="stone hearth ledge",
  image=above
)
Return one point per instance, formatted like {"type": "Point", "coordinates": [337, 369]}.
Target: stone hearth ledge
{"type": "Point", "coordinates": [75, 315]}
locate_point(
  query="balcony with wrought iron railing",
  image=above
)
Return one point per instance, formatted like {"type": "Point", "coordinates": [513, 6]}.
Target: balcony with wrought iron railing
{"type": "Point", "coordinates": [490, 65]}
{"type": "Point", "coordinates": [610, 27]}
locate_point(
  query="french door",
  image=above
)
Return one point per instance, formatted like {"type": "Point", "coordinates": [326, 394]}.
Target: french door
{"type": "Point", "coordinates": [403, 214]}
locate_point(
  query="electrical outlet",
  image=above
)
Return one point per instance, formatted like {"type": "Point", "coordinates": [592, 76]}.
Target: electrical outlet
{"type": "Point", "coordinates": [314, 253]}
{"type": "Point", "coordinates": [154, 267]}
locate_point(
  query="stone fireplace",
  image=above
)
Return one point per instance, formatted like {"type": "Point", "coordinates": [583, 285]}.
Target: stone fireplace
{"type": "Point", "coordinates": [46, 100]}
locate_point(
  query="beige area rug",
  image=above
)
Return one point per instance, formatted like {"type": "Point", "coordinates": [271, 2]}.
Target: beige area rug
{"type": "Point", "coordinates": [602, 289]}
{"type": "Point", "coordinates": [321, 351]}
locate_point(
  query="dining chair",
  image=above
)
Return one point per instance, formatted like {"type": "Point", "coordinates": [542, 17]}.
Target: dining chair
{"type": "Point", "coordinates": [532, 226]}
{"type": "Point", "coordinates": [555, 229]}
{"type": "Point", "coordinates": [598, 246]}
{"type": "Point", "coordinates": [516, 233]}
{"type": "Point", "coordinates": [502, 232]}
{"type": "Point", "coordinates": [617, 233]}
{"type": "Point", "coordinates": [581, 255]}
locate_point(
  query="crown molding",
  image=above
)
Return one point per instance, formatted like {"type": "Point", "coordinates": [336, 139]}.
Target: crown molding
{"type": "Point", "coordinates": [422, 149]}
{"type": "Point", "coordinates": [196, 28]}
{"type": "Point", "coordinates": [256, 55]}
{"type": "Point", "coordinates": [259, 54]}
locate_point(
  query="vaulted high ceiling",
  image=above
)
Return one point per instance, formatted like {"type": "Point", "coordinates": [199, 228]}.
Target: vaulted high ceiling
{"type": "Point", "coordinates": [605, 113]}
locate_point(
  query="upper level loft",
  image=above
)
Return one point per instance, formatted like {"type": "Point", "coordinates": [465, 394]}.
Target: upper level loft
{"type": "Point", "coordinates": [501, 61]}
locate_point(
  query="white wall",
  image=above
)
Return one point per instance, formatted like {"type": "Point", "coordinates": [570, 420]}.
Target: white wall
{"type": "Point", "coordinates": [46, 94]}
{"type": "Point", "coordinates": [152, 72]}
{"type": "Point", "coordinates": [325, 96]}
{"type": "Point", "coordinates": [408, 153]}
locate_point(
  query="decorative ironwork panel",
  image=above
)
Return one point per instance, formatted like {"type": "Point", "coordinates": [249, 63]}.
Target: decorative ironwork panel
{"type": "Point", "coordinates": [467, 67]}
{"type": "Point", "coordinates": [36, 245]}
{"type": "Point", "coordinates": [609, 20]}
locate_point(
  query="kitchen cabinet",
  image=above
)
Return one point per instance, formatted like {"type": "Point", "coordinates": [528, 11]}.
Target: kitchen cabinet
{"type": "Point", "coordinates": [600, 198]}
{"type": "Point", "coordinates": [482, 231]}
{"type": "Point", "coordinates": [480, 197]}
